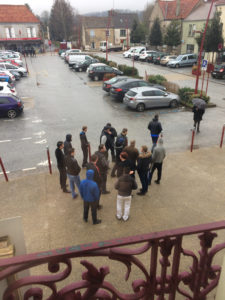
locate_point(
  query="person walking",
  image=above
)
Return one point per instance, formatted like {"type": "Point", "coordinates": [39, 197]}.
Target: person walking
{"type": "Point", "coordinates": [144, 160]}
{"type": "Point", "coordinates": [125, 184]}
{"type": "Point", "coordinates": [92, 165]}
{"type": "Point", "coordinates": [103, 166]}
{"type": "Point", "coordinates": [84, 145]}
{"type": "Point", "coordinates": [90, 194]}
{"type": "Point", "coordinates": [61, 166]}
{"type": "Point", "coordinates": [158, 156]}
{"type": "Point", "coordinates": [133, 154]}
{"type": "Point", "coordinates": [67, 144]}
{"type": "Point", "coordinates": [121, 143]}
{"type": "Point", "coordinates": [198, 113]}
{"type": "Point", "coordinates": [73, 170]}
{"type": "Point", "coordinates": [155, 129]}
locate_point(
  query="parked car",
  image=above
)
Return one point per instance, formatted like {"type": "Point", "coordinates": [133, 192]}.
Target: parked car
{"type": "Point", "coordinates": [149, 58]}
{"type": "Point", "coordinates": [16, 74]}
{"type": "Point", "coordinates": [183, 60]}
{"type": "Point", "coordinates": [70, 52]}
{"type": "Point", "coordinates": [9, 67]}
{"type": "Point", "coordinates": [106, 86]}
{"type": "Point", "coordinates": [127, 54]}
{"type": "Point", "coordinates": [10, 105]}
{"type": "Point", "coordinates": [5, 78]}
{"type": "Point", "coordinates": [165, 59]}
{"type": "Point", "coordinates": [219, 71]}
{"type": "Point", "coordinates": [6, 88]}
{"type": "Point", "coordinates": [157, 57]}
{"type": "Point", "coordinates": [119, 89]}
{"type": "Point", "coordinates": [144, 55]}
{"type": "Point", "coordinates": [2, 70]}
{"type": "Point", "coordinates": [97, 71]}
{"type": "Point", "coordinates": [148, 97]}
{"type": "Point", "coordinates": [138, 51]}
{"type": "Point", "coordinates": [84, 64]}
{"type": "Point", "coordinates": [73, 58]}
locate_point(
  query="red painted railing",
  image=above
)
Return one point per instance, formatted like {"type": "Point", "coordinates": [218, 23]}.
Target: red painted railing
{"type": "Point", "coordinates": [163, 279]}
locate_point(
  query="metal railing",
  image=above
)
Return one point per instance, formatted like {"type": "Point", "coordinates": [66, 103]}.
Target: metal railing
{"type": "Point", "coordinates": [165, 278]}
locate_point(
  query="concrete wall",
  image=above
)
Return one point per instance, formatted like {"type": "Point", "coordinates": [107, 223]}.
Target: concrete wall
{"type": "Point", "coordinates": [18, 27]}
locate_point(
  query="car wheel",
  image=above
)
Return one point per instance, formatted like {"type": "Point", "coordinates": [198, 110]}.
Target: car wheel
{"type": "Point", "coordinates": [173, 103]}
{"type": "Point", "coordinates": [140, 107]}
{"type": "Point", "coordinates": [80, 69]}
{"type": "Point", "coordinates": [96, 78]}
{"type": "Point", "coordinates": [177, 66]}
{"type": "Point", "coordinates": [11, 114]}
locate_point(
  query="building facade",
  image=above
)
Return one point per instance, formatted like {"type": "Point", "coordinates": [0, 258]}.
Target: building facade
{"type": "Point", "coordinates": [19, 28]}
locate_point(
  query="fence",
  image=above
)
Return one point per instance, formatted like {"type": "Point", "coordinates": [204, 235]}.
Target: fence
{"type": "Point", "coordinates": [164, 277]}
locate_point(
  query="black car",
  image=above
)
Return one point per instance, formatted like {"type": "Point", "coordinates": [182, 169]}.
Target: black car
{"type": "Point", "coordinates": [16, 74]}
{"type": "Point", "coordinates": [219, 71]}
{"type": "Point", "coordinates": [118, 90]}
{"type": "Point", "coordinates": [10, 105]}
{"type": "Point", "coordinates": [83, 65]}
{"type": "Point", "coordinates": [157, 57]}
{"type": "Point", "coordinates": [97, 71]}
{"type": "Point", "coordinates": [106, 86]}
{"type": "Point", "coordinates": [150, 57]}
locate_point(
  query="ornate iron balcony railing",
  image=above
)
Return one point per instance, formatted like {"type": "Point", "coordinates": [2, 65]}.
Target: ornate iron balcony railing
{"type": "Point", "coordinates": [164, 279]}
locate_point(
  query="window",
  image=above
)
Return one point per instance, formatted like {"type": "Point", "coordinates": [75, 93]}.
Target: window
{"type": "Point", "coordinates": [4, 100]}
{"type": "Point", "coordinates": [131, 93]}
{"type": "Point", "coordinates": [92, 33]}
{"type": "Point", "coordinates": [192, 28]}
{"type": "Point", "coordinates": [190, 48]}
{"type": "Point", "coordinates": [108, 69]}
{"type": "Point", "coordinates": [10, 32]}
{"type": "Point", "coordinates": [142, 83]}
{"type": "Point", "coordinates": [184, 58]}
{"type": "Point", "coordinates": [159, 93]}
{"type": "Point", "coordinates": [31, 32]}
{"type": "Point", "coordinates": [148, 93]}
{"type": "Point", "coordinates": [122, 32]}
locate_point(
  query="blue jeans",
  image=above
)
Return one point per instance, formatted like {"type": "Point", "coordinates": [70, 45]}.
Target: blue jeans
{"type": "Point", "coordinates": [74, 180]}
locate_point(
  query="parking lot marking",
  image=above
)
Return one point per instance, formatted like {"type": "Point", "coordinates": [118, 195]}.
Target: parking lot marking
{"type": "Point", "coordinates": [43, 163]}
{"type": "Point", "coordinates": [29, 169]}
{"type": "Point", "coordinates": [9, 120]}
{"type": "Point", "coordinates": [27, 138]}
{"type": "Point", "coordinates": [25, 119]}
{"type": "Point", "coordinates": [40, 133]}
{"type": "Point", "coordinates": [7, 172]}
{"type": "Point", "coordinates": [41, 142]}
{"type": "Point", "coordinates": [37, 121]}
{"type": "Point", "coordinates": [5, 141]}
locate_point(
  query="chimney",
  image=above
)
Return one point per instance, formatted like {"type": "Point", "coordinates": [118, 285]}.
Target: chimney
{"type": "Point", "coordinates": [177, 8]}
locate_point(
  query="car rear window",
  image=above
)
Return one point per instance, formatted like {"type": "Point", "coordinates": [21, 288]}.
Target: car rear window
{"type": "Point", "coordinates": [131, 93]}
{"type": "Point", "coordinates": [218, 67]}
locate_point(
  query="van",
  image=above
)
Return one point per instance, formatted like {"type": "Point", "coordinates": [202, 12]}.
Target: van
{"type": "Point", "coordinates": [138, 51]}
{"type": "Point", "coordinates": [74, 58]}
{"type": "Point", "coordinates": [183, 61]}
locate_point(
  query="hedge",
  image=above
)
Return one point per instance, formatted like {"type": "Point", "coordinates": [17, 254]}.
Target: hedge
{"type": "Point", "coordinates": [187, 94]}
{"type": "Point", "coordinates": [157, 79]}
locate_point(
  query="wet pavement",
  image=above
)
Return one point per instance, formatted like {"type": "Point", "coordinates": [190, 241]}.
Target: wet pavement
{"type": "Point", "coordinates": [60, 101]}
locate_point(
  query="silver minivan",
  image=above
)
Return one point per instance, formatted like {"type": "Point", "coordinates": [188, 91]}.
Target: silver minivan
{"type": "Point", "coordinates": [183, 60]}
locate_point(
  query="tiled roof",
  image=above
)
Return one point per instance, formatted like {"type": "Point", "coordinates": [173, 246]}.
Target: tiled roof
{"type": "Point", "coordinates": [95, 22]}
{"type": "Point", "coordinates": [16, 14]}
{"type": "Point", "coordinates": [220, 2]}
{"type": "Point", "coordinates": [201, 13]}
{"type": "Point", "coordinates": [169, 8]}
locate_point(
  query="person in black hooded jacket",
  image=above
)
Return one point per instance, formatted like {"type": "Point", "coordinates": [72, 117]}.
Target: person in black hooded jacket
{"type": "Point", "coordinates": [144, 160]}
{"type": "Point", "coordinates": [67, 144]}
{"type": "Point", "coordinates": [155, 129]}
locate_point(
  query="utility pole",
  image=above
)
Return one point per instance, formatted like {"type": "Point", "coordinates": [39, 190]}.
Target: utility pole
{"type": "Point", "coordinates": [201, 48]}
{"type": "Point", "coordinates": [107, 34]}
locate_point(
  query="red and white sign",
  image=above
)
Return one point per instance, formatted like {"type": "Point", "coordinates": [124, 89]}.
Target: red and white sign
{"type": "Point", "coordinates": [21, 39]}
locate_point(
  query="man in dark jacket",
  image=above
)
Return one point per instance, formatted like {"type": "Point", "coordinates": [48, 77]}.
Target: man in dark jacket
{"type": "Point", "coordinates": [121, 143]}
{"type": "Point", "coordinates": [144, 160]}
{"type": "Point", "coordinates": [133, 154]}
{"type": "Point", "coordinates": [123, 164]}
{"type": "Point", "coordinates": [90, 194]}
{"type": "Point", "coordinates": [67, 144]}
{"type": "Point", "coordinates": [110, 134]}
{"type": "Point", "coordinates": [84, 145]}
{"type": "Point", "coordinates": [198, 113]}
{"type": "Point", "coordinates": [103, 166]}
{"type": "Point", "coordinates": [92, 165]}
{"type": "Point", "coordinates": [124, 185]}
{"type": "Point", "coordinates": [61, 166]}
{"type": "Point", "coordinates": [73, 170]}
{"type": "Point", "coordinates": [155, 129]}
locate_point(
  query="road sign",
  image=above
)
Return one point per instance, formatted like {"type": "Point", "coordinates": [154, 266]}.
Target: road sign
{"type": "Point", "coordinates": [107, 32]}
{"type": "Point", "coordinates": [204, 64]}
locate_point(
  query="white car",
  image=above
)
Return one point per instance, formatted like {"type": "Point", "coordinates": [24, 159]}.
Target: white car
{"type": "Point", "coordinates": [8, 73]}
{"type": "Point", "coordinates": [22, 71]}
{"type": "Point", "coordinates": [143, 56]}
{"type": "Point", "coordinates": [127, 53]}
{"type": "Point", "coordinates": [6, 88]}
{"type": "Point", "coordinates": [137, 52]}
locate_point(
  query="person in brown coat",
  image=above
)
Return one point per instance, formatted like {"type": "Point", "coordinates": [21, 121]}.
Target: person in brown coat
{"type": "Point", "coordinates": [144, 160]}
{"type": "Point", "coordinates": [133, 154]}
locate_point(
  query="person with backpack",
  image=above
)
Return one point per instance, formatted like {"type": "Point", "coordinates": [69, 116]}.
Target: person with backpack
{"type": "Point", "coordinates": [155, 129]}
{"type": "Point", "coordinates": [121, 143]}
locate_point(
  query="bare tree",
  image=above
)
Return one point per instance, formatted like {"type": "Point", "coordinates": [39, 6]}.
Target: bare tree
{"type": "Point", "coordinates": [146, 14]}
{"type": "Point", "coordinates": [61, 23]}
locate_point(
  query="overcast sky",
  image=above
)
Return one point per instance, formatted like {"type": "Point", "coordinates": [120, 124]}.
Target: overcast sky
{"type": "Point", "coordinates": [83, 6]}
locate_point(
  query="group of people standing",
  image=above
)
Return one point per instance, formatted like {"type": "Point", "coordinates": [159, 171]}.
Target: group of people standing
{"type": "Point", "coordinates": [127, 161]}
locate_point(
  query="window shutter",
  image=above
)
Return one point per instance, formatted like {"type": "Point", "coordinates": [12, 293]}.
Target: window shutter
{"type": "Point", "coordinates": [7, 33]}
{"type": "Point", "coordinates": [34, 32]}
{"type": "Point", "coordinates": [28, 32]}
{"type": "Point", "coordinates": [13, 35]}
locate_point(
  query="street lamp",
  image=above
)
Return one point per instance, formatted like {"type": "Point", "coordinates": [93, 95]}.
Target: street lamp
{"type": "Point", "coordinates": [201, 47]}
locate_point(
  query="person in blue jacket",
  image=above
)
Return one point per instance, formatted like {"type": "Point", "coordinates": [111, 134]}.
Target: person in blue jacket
{"type": "Point", "coordinates": [90, 194]}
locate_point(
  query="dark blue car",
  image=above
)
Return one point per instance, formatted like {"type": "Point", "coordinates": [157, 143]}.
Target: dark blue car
{"type": "Point", "coordinates": [10, 106]}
